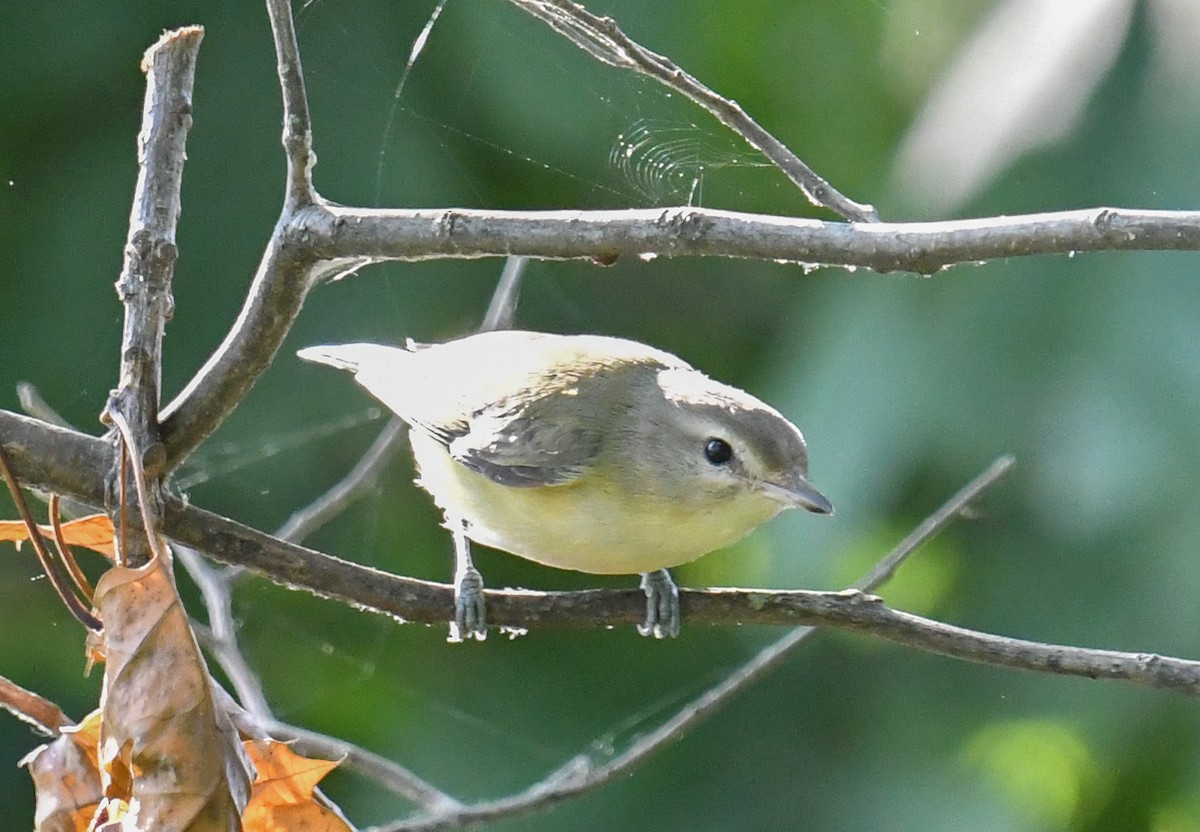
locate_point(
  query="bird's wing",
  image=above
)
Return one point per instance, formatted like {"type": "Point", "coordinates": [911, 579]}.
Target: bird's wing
{"type": "Point", "coordinates": [495, 400]}
{"type": "Point", "coordinates": [526, 448]}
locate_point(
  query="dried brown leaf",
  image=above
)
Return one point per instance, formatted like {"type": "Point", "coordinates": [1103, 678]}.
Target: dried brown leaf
{"type": "Point", "coordinates": [66, 778]}
{"type": "Point", "coordinates": [284, 796]}
{"type": "Point", "coordinates": [165, 747]}
{"type": "Point", "coordinates": [93, 532]}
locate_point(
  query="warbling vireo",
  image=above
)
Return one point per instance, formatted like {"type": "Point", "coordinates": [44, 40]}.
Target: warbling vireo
{"type": "Point", "coordinates": [583, 452]}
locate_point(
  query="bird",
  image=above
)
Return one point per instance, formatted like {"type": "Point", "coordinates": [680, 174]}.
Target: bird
{"type": "Point", "coordinates": [583, 452]}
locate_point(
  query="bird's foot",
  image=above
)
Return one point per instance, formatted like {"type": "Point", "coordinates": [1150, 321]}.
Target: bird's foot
{"type": "Point", "coordinates": [662, 605]}
{"type": "Point", "coordinates": [470, 613]}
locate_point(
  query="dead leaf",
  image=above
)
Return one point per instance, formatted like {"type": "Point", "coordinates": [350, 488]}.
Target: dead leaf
{"type": "Point", "coordinates": [93, 532]}
{"type": "Point", "coordinates": [284, 794]}
{"type": "Point", "coordinates": [166, 749]}
{"type": "Point", "coordinates": [66, 778]}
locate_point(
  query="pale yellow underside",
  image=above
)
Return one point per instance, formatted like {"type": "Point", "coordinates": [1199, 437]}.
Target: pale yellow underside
{"type": "Point", "coordinates": [588, 525]}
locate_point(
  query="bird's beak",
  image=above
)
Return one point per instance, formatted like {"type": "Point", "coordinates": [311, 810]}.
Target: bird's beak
{"type": "Point", "coordinates": [796, 492]}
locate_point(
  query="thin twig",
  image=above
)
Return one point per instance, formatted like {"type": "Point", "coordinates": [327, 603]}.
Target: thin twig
{"type": "Point", "coordinates": [297, 123]}
{"type": "Point", "coordinates": [601, 38]}
{"type": "Point", "coordinates": [933, 524]}
{"type": "Point", "coordinates": [579, 774]}
{"type": "Point", "coordinates": [414, 52]}
{"type": "Point", "coordinates": [924, 247]}
{"type": "Point", "coordinates": [140, 478]}
{"type": "Point", "coordinates": [37, 407]}
{"type": "Point", "coordinates": [122, 550]}
{"type": "Point", "coordinates": [361, 477]}
{"type": "Point", "coordinates": [64, 551]}
{"type": "Point", "coordinates": [51, 569]}
{"type": "Point", "coordinates": [220, 636]}
{"type": "Point", "coordinates": [502, 309]}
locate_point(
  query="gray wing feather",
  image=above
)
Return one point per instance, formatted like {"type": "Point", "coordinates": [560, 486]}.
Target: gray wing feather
{"type": "Point", "coordinates": [525, 450]}
{"type": "Point", "coordinates": [494, 399]}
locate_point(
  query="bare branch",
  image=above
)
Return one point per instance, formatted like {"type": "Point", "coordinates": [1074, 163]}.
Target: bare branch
{"type": "Point", "coordinates": [35, 458]}
{"type": "Point", "coordinates": [601, 38]}
{"type": "Point", "coordinates": [422, 601]}
{"type": "Point", "coordinates": [219, 638]}
{"type": "Point", "coordinates": [144, 286]}
{"type": "Point", "coordinates": [326, 239]}
{"type": "Point", "coordinates": [341, 233]}
{"type": "Point", "coordinates": [297, 123]}
{"type": "Point", "coordinates": [57, 459]}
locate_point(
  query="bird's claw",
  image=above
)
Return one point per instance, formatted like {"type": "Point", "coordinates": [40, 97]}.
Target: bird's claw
{"type": "Point", "coordinates": [470, 613]}
{"type": "Point", "coordinates": [662, 605]}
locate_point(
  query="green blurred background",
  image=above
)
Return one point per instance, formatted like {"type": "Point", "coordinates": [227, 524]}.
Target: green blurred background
{"type": "Point", "coordinates": [1086, 368]}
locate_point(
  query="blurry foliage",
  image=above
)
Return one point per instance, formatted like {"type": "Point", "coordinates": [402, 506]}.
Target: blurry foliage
{"type": "Point", "coordinates": [1087, 368]}
{"type": "Point", "coordinates": [1042, 766]}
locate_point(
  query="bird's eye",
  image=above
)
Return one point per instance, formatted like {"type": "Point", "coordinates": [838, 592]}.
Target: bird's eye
{"type": "Point", "coordinates": [717, 451]}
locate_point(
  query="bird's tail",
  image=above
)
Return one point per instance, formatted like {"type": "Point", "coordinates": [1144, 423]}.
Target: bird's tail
{"type": "Point", "coordinates": [350, 357]}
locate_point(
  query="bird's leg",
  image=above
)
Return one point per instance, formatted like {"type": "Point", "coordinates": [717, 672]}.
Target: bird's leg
{"type": "Point", "coordinates": [470, 616]}
{"type": "Point", "coordinates": [662, 605]}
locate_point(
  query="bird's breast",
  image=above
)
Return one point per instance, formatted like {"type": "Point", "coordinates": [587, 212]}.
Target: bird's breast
{"type": "Point", "coordinates": [588, 525]}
